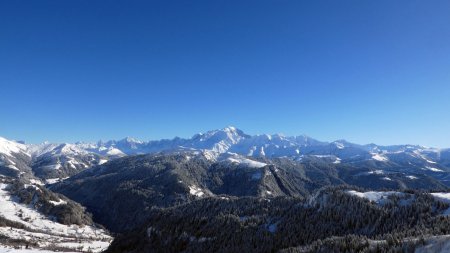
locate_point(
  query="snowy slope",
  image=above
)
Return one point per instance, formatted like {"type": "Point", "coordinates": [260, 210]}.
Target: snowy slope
{"type": "Point", "coordinates": [14, 158]}
{"type": "Point", "coordinates": [43, 231]}
{"type": "Point", "coordinates": [233, 158]}
{"type": "Point", "coordinates": [9, 148]}
{"type": "Point", "coordinates": [4, 249]}
{"type": "Point", "coordinates": [376, 196]}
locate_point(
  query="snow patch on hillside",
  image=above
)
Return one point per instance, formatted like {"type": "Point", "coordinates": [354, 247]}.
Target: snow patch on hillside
{"type": "Point", "coordinates": [433, 169]}
{"type": "Point", "coordinates": [339, 145]}
{"type": "Point", "coordinates": [4, 249]}
{"type": "Point", "coordinates": [246, 162]}
{"type": "Point", "coordinates": [57, 203]}
{"type": "Point", "coordinates": [102, 161]}
{"type": "Point", "coordinates": [196, 191]}
{"type": "Point", "coordinates": [55, 180]}
{"type": "Point", "coordinates": [337, 161]}
{"type": "Point", "coordinates": [374, 196]}
{"type": "Point", "coordinates": [379, 157]}
{"type": "Point", "coordinates": [44, 231]}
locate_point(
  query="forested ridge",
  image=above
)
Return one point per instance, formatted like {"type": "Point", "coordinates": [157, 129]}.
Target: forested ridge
{"type": "Point", "coordinates": [333, 220]}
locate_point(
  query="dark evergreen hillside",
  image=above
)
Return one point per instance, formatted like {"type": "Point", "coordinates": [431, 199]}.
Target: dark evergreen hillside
{"type": "Point", "coordinates": [120, 193]}
{"type": "Point", "coordinates": [295, 224]}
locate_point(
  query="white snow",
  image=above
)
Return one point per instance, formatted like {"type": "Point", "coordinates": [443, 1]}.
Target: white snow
{"type": "Point", "coordinates": [339, 145]}
{"type": "Point", "coordinates": [36, 181]}
{"type": "Point", "coordinates": [102, 161]}
{"type": "Point", "coordinates": [433, 169]}
{"type": "Point", "coordinates": [324, 156]}
{"type": "Point", "coordinates": [57, 203]}
{"type": "Point", "coordinates": [210, 155]}
{"type": "Point", "coordinates": [54, 180]}
{"type": "Point", "coordinates": [377, 172]}
{"type": "Point", "coordinates": [262, 152]}
{"type": "Point", "coordinates": [69, 149]}
{"type": "Point", "coordinates": [4, 249]}
{"type": "Point", "coordinates": [443, 196]}
{"type": "Point", "coordinates": [8, 147]}
{"type": "Point", "coordinates": [245, 161]}
{"type": "Point", "coordinates": [379, 157]}
{"type": "Point", "coordinates": [40, 149]}
{"type": "Point", "coordinates": [337, 161]}
{"type": "Point", "coordinates": [373, 195]}
{"type": "Point", "coordinates": [12, 167]}
{"type": "Point", "coordinates": [45, 230]}
{"type": "Point", "coordinates": [429, 161]}
{"type": "Point", "coordinates": [114, 152]}
{"type": "Point", "coordinates": [411, 177]}
{"type": "Point", "coordinates": [217, 140]}
{"type": "Point", "coordinates": [420, 155]}
{"type": "Point", "coordinates": [196, 191]}
{"type": "Point", "coordinates": [387, 178]}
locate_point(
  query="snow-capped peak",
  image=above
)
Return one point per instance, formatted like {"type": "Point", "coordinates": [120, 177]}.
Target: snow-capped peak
{"type": "Point", "coordinates": [131, 140]}
{"type": "Point", "coordinates": [218, 140]}
{"type": "Point", "coordinates": [8, 147]}
{"type": "Point", "coordinates": [230, 129]}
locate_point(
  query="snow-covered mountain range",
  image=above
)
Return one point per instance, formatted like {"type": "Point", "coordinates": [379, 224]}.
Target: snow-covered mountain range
{"type": "Point", "coordinates": [50, 160]}
{"type": "Point", "coordinates": [116, 180]}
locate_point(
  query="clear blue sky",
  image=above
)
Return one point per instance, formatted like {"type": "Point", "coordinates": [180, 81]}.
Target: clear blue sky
{"type": "Point", "coordinates": [366, 71]}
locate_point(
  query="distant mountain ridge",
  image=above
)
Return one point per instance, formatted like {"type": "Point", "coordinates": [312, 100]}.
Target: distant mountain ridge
{"type": "Point", "coordinates": [49, 160]}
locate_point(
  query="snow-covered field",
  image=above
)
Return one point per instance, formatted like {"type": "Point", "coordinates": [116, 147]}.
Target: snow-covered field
{"type": "Point", "coordinates": [241, 160]}
{"type": "Point", "coordinates": [247, 162]}
{"type": "Point", "coordinates": [377, 197]}
{"type": "Point", "coordinates": [46, 232]}
{"type": "Point", "coordinates": [11, 250]}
